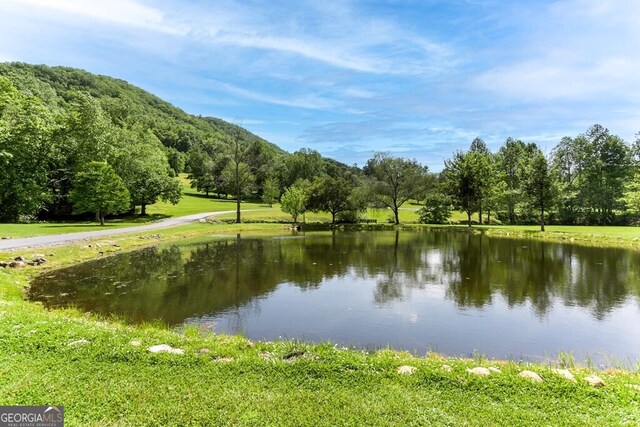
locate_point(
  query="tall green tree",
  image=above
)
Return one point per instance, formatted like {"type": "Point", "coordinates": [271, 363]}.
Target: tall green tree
{"type": "Point", "coordinates": [98, 189]}
{"type": "Point", "coordinates": [485, 175]}
{"type": "Point", "coordinates": [395, 180]}
{"type": "Point", "coordinates": [510, 164]}
{"type": "Point", "coordinates": [462, 183]}
{"type": "Point", "coordinates": [26, 146]}
{"type": "Point", "coordinates": [293, 202]}
{"type": "Point", "coordinates": [144, 167]}
{"type": "Point", "coordinates": [328, 194]}
{"type": "Point", "coordinates": [238, 174]}
{"type": "Point", "coordinates": [270, 191]}
{"type": "Point", "coordinates": [540, 185]}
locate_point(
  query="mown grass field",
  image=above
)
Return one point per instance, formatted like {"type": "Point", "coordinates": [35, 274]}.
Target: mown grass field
{"type": "Point", "coordinates": [105, 380]}
{"type": "Point", "coordinates": [192, 202]}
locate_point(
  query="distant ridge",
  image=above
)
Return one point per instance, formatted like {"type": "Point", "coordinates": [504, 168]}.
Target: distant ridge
{"type": "Point", "coordinates": [173, 127]}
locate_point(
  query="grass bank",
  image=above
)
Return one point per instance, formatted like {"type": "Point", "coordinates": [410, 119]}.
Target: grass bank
{"type": "Point", "coordinates": [95, 368]}
{"type": "Point", "coordinates": [602, 236]}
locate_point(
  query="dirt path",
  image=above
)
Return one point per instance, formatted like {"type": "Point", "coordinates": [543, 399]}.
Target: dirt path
{"type": "Point", "coordinates": [57, 239]}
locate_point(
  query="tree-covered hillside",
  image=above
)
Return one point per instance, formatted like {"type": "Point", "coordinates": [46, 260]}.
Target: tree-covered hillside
{"type": "Point", "coordinates": [55, 121]}
{"type": "Point", "coordinates": [122, 102]}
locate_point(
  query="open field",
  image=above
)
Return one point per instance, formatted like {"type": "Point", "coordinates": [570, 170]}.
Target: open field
{"type": "Point", "coordinates": [192, 202]}
{"type": "Point", "coordinates": [108, 381]}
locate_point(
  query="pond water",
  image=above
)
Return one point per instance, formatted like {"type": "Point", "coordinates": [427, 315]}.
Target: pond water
{"type": "Point", "coordinates": [451, 292]}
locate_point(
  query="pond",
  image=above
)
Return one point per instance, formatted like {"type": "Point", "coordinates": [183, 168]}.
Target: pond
{"type": "Point", "coordinates": [452, 292]}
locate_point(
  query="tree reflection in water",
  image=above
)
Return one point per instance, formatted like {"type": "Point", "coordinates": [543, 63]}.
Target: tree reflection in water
{"type": "Point", "coordinates": [172, 283]}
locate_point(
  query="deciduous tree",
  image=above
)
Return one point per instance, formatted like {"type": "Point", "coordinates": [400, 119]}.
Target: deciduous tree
{"type": "Point", "coordinates": [97, 188]}
{"type": "Point", "coordinates": [395, 180]}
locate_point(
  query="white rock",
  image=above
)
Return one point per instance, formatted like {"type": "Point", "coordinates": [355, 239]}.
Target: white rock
{"type": "Point", "coordinates": [530, 375]}
{"type": "Point", "coordinates": [222, 359]}
{"type": "Point", "coordinates": [483, 372]}
{"type": "Point", "coordinates": [407, 370]}
{"type": "Point", "coordinates": [135, 343]}
{"type": "Point", "coordinates": [79, 342]}
{"type": "Point", "coordinates": [164, 348]}
{"type": "Point", "coordinates": [494, 369]}
{"type": "Point", "coordinates": [595, 381]}
{"type": "Point", "coordinates": [634, 386]}
{"type": "Point", "coordinates": [564, 373]}
{"type": "Point", "coordinates": [446, 368]}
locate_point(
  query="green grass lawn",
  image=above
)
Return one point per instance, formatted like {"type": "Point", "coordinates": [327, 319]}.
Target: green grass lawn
{"type": "Point", "coordinates": [108, 381]}
{"type": "Point", "coordinates": [192, 202]}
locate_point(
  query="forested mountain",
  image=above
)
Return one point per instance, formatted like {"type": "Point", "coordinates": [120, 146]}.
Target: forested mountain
{"type": "Point", "coordinates": [54, 121]}
{"type": "Point", "coordinates": [122, 102]}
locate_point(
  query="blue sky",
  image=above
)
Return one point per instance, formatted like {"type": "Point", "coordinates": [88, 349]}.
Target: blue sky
{"type": "Point", "coordinates": [347, 78]}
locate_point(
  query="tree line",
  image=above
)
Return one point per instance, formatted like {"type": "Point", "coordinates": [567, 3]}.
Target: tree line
{"type": "Point", "coordinates": [72, 142]}
{"type": "Point", "coordinates": [590, 179]}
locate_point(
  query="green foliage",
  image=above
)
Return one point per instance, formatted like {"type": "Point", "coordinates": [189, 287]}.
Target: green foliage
{"type": "Point", "coordinates": [177, 160]}
{"type": "Point", "coordinates": [238, 180]}
{"type": "Point", "coordinates": [631, 197]}
{"type": "Point", "coordinates": [25, 146]}
{"type": "Point", "coordinates": [270, 191]}
{"type": "Point", "coordinates": [395, 180]}
{"type": "Point", "coordinates": [540, 185]}
{"type": "Point", "coordinates": [55, 119]}
{"type": "Point", "coordinates": [436, 209]}
{"type": "Point", "coordinates": [304, 164]}
{"type": "Point", "coordinates": [97, 188]}
{"type": "Point", "coordinates": [293, 202]}
{"type": "Point", "coordinates": [511, 164]}
{"type": "Point", "coordinates": [462, 183]}
{"type": "Point", "coordinates": [593, 169]}
{"type": "Point", "coordinates": [331, 195]}
{"type": "Point", "coordinates": [143, 166]}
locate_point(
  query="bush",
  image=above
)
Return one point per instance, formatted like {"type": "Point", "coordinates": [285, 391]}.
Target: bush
{"type": "Point", "coordinates": [348, 217]}
{"type": "Point", "coordinates": [437, 209]}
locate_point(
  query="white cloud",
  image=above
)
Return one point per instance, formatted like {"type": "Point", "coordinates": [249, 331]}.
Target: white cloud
{"type": "Point", "coordinates": [312, 102]}
{"type": "Point", "coordinates": [576, 50]}
{"type": "Point", "coordinates": [121, 12]}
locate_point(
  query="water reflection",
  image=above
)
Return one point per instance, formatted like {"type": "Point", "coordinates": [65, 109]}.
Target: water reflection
{"type": "Point", "coordinates": [231, 278]}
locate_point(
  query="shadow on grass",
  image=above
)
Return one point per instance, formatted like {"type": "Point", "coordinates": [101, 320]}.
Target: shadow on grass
{"type": "Point", "coordinates": [122, 221]}
{"type": "Point", "coordinates": [204, 196]}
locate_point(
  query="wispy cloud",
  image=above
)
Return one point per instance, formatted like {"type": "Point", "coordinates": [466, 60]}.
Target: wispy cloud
{"type": "Point", "coordinates": [574, 50]}
{"type": "Point", "coordinates": [311, 102]}
{"type": "Point", "coordinates": [352, 77]}
{"type": "Point", "coordinates": [120, 12]}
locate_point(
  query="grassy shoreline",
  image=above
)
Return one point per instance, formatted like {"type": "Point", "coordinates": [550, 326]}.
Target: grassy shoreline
{"type": "Point", "coordinates": [109, 381]}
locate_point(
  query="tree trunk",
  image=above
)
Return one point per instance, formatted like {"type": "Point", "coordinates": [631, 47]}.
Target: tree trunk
{"type": "Point", "coordinates": [469, 218]}
{"type": "Point", "coordinates": [238, 210]}
{"type": "Point", "coordinates": [489, 216]}
{"type": "Point", "coordinates": [542, 218]}
{"type": "Point", "coordinates": [480, 215]}
{"type": "Point", "coordinates": [101, 219]}
{"type": "Point", "coordinates": [397, 216]}
{"type": "Point", "coordinates": [333, 217]}
{"type": "Point", "coordinates": [143, 209]}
